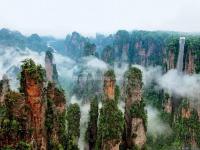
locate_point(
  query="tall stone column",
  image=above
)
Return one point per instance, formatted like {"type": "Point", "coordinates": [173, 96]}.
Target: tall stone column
{"type": "Point", "coordinates": [135, 130]}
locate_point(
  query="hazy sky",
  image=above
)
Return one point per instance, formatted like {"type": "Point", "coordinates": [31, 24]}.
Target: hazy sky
{"type": "Point", "coordinates": [59, 17]}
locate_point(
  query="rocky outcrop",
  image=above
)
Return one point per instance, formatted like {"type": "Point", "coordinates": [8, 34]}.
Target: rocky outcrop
{"type": "Point", "coordinates": [110, 126]}
{"type": "Point", "coordinates": [58, 97]}
{"type": "Point", "coordinates": [74, 45]}
{"type": "Point", "coordinates": [138, 129]}
{"type": "Point", "coordinates": [35, 101]}
{"type": "Point", "coordinates": [125, 49]}
{"type": "Point", "coordinates": [189, 121]}
{"type": "Point", "coordinates": [50, 67]}
{"type": "Point", "coordinates": [15, 122]}
{"type": "Point", "coordinates": [108, 55]}
{"type": "Point", "coordinates": [88, 85]}
{"type": "Point", "coordinates": [198, 111]}
{"type": "Point", "coordinates": [91, 132]}
{"type": "Point", "coordinates": [185, 112]}
{"type": "Point", "coordinates": [56, 111]}
{"type": "Point", "coordinates": [171, 64]}
{"type": "Point", "coordinates": [32, 85]}
{"type": "Point", "coordinates": [141, 52]}
{"type": "Point", "coordinates": [168, 104]}
{"type": "Point", "coordinates": [190, 54]}
{"type": "Point", "coordinates": [4, 88]}
{"type": "Point", "coordinates": [26, 116]}
{"type": "Point", "coordinates": [111, 145]}
{"type": "Point", "coordinates": [109, 85]}
{"type": "Point", "coordinates": [190, 66]}
{"type": "Point", "coordinates": [135, 128]}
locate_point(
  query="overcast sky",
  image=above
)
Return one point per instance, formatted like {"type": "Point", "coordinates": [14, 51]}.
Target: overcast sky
{"type": "Point", "coordinates": [59, 17]}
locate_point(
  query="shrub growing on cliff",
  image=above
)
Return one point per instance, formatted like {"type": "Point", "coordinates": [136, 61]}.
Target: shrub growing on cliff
{"type": "Point", "coordinates": [33, 71]}
{"type": "Point", "coordinates": [108, 54]}
{"type": "Point", "coordinates": [23, 146]}
{"type": "Point", "coordinates": [173, 47]}
{"type": "Point", "coordinates": [89, 49]}
{"type": "Point", "coordinates": [111, 123]}
{"type": "Point", "coordinates": [73, 122]}
{"type": "Point", "coordinates": [49, 54]}
{"type": "Point", "coordinates": [138, 111]}
{"type": "Point", "coordinates": [91, 133]}
{"type": "Point", "coordinates": [11, 99]}
{"type": "Point", "coordinates": [110, 74]}
{"type": "Point", "coordinates": [55, 120]}
{"type": "Point", "coordinates": [187, 128]}
{"type": "Point", "coordinates": [111, 120]}
{"type": "Point", "coordinates": [117, 93]}
{"type": "Point", "coordinates": [133, 77]}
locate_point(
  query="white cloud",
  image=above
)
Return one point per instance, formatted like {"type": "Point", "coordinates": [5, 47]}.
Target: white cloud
{"type": "Point", "coordinates": [95, 63]}
{"type": "Point", "coordinates": [11, 58]}
{"type": "Point", "coordinates": [181, 84]}
{"type": "Point", "coordinates": [156, 126]}
{"type": "Point", "coordinates": [173, 82]}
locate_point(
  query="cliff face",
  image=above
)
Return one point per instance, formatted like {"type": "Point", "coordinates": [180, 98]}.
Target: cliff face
{"type": "Point", "coordinates": [168, 104]}
{"type": "Point", "coordinates": [25, 111]}
{"type": "Point", "coordinates": [4, 88]}
{"type": "Point", "coordinates": [74, 45]}
{"type": "Point", "coordinates": [88, 85]}
{"type": "Point", "coordinates": [198, 111]}
{"type": "Point", "coordinates": [135, 130]}
{"type": "Point", "coordinates": [125, 49]}
{"type": "Point", "coordinates": [91, 132]}
{"type": "Point", "coordinates": [50, 67]}
{"type": "Point", "coordinates": [111, 145]}
{"type": "Point", "coordinates": [171, 64]}
{"type": "Point", "coordinates": [109, 88]}
{"type": "Point", "coordinates": [138, 129]}
{"type": "Point", "coordinates": [108, 55]}
{"type": "Point", "coordinates": [189, 121]}
{"type": "Point", "coordinates": [191, 54]}
{"type": "Point", "coordinates": [109, 92]}
{"type": "Point", "coordinates": [56, 110]}
{"type": "Point", "coordinates": [185, 113]}
{"type": "Point", "coordinates": [110, 127]}
{"type": "Point", "coordinates": [139, 47]}
{"type": "Point", "coordinates": [190, 66]}
{"type": "Point", "coordinates": [32, 79]}
{"type": "Point", "coordinates": [35, 100]}
{"type": "Point", "coordinates": [26, 116]}
{"type": "Point", "coordinates": [140, 51]}
{"type": "Point", "coordinates": [15, 122]}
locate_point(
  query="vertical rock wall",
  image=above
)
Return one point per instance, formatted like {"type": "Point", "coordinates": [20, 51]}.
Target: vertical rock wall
{"type": "Point", "coordinates": [135, 132]}
{"type": "Point", "coordinates": [34, 95]}
{"type": "Point", "coordinates": [109, 86]}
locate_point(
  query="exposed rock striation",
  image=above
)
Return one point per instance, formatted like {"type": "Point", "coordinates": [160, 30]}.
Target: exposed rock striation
{"type": "Point", "coordinates": [4, 88]}
{"type": "Point", "coordinates": [50, 67]}
{"type": "Point", "coordinates": [135, 115]}
{"type": "Point", "coordinates": [110, 126]}
{"type": "Point", "coordinates": [55, 116]}
{"type": "Point", "coordinates": [109, 85]}
{"type": "Point", "coordinates": [33, 88]}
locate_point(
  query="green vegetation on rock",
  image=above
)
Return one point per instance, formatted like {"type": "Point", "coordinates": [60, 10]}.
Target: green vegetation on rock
{"type": "Point", "coordinates": [73, 124]}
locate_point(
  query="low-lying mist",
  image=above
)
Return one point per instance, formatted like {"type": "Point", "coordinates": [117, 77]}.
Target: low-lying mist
{"type": "Point", "coordinates": [11, 59]}
{"type": "Point", "coordinates": [174, 82]}
{"type": "Point", "coordinates": [156, 126]}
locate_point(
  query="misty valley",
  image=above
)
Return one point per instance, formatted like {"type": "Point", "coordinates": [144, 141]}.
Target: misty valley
{"type": "Point", "coordinates": [137, 90]}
